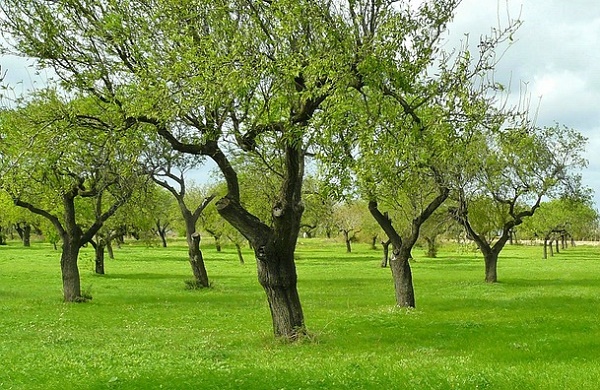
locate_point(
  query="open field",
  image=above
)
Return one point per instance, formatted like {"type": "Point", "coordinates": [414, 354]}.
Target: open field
{"type": "Point", "coordinates": [539, 328]}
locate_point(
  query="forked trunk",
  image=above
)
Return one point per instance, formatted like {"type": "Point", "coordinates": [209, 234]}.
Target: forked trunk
{"type": "Point", "coordinates": [70, 271]}
{"type": "Point", "coordinates": [277, 276]}
{"type": "Point", "coordinates": [197, 261]}
{"type": "Point", "coordinates": [402, 275]}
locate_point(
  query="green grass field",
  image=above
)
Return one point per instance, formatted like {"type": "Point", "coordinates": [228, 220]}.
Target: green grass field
{"type": "Point", "coordinates": [538, 328]}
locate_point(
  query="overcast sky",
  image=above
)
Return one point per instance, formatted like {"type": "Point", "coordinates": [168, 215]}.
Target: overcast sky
{"type": "Point", "coordinates": [556, 53]}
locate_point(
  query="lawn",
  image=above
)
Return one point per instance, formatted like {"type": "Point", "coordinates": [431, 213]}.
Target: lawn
{"type": "Point", "coordinates": [538, 328]}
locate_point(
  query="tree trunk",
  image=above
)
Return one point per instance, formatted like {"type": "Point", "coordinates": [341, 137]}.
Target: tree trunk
{"type": "Point", "coordinates": [402, 275]}
{"type": "Point", "coordinates": [218, 243]}
{"type": "Point", "coordinates": [557, 245]}
{"type": "Point", "coordinates": [545, 256]}
{"type": "Point", "coordinates": [374, 242]}
{"type": "Point", "coordinates": [277, 275]}
{"type": "Point", "coordinates": [197, 261]}
{"type": "Point", "coordinates": [491, 266]}
{"type": "Point", "coordinates": [99, 260]}
{"type": "Point", "coordinates": [2, 237]}
{"type": "Point", "coordinates": [386, 253]}
{"type": "Point", "coordinates": [551, 247]}
{"type": "Point", "coordinates": [70, 271]}
{"type": "Point", "coordinates": [563, 242]}
{"type": "Point", "coordinates": [347, 240]}
{"type": "Point", "coordinates": [109, 249]}
{"type": "Point", "coordinates": [431, 247]}
{"type": "Point", "coordinates": [239, 252]}
{"type": "Point", "coordinates": [27, 235]}
{"type": "Point", "coordinates": [162, 232]}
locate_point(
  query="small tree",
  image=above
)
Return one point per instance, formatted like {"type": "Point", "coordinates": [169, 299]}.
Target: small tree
{"type": "Point", "coordinates": [518, 167]}
{"type": "Point", "coordinates": [59, 156]}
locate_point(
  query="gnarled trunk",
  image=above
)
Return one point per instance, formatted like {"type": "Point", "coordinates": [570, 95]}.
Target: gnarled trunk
{"type": "Point", "coordinates": [70, 271]}
{"type": "Point", "coordinates": [197, 261]}
{"type": "Point", "coordinates": [277, 275]}
{"type": "Point", "coordinates": [402, 275]}
{"type": "Point", "coordinates": [491, 266]}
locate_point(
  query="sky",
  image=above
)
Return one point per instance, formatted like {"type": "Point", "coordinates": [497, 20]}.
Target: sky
{"type": "Point", "coordinates": [555, 54]}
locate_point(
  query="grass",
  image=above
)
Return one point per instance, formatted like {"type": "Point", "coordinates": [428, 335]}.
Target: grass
{"type": "Point", "coordinates": [538, 328]}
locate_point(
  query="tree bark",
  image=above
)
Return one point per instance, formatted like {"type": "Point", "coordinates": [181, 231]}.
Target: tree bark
{"type": "Point", "coordinates": [431, 247]}
{"type": "Point", "coordinates": [197, 261]}
{"type": "Point", "coordinates": [545, 255]}
{"type": "Point", "coordinates": [162, 232]}
{"type": "Point", "coordinates": [402, 275]}
{"type": "Point", "coordinates": [218, 243]}
{"type": "Point", "coordinates": [551, 247]}
{"type": "Point", "coordinates": [27, 235]}
{"type": "Point", "coordinates": [386, 253]}
{"type": "Point", "coordinates": [99, 260]}
{"type": "Point", "coordinates": [239, 252]}
{"type": "Point", "coordinates": [277, 275]}
{"type": "Point", "coordinates": [109, 249]}
{"type": "Point", "coordinates": [347, 240]}
{"type": "Point", "coordinates": [557, 245]}
{"type": "Point", "coordinates": [374, 242]}
{"type": "Point", "coordinates": [70, 271]}
{"type": "Point", "coordinates": [491, 266]}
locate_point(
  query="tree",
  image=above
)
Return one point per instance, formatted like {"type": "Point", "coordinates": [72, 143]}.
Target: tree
{"type": "Point", "coordinates": [59, 156]}
{"type": "Point", "coordinates": [167, 168]}
{"type": "Point", "coordinates": [405, 129]}
{"type": "Point", "coordinates": [348, 218]}
{"type": "Point", "coordinates": [519, 166]}
{"type": "Point", "coordinates": [559, 218]}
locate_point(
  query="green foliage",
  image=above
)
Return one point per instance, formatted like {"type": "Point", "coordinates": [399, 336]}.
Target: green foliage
{"type": "Point", "coordinates": [563, 216]}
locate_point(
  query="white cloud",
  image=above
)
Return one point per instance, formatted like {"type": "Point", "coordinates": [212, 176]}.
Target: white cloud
{"type": "Point", "coordinates": [555, 55]}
